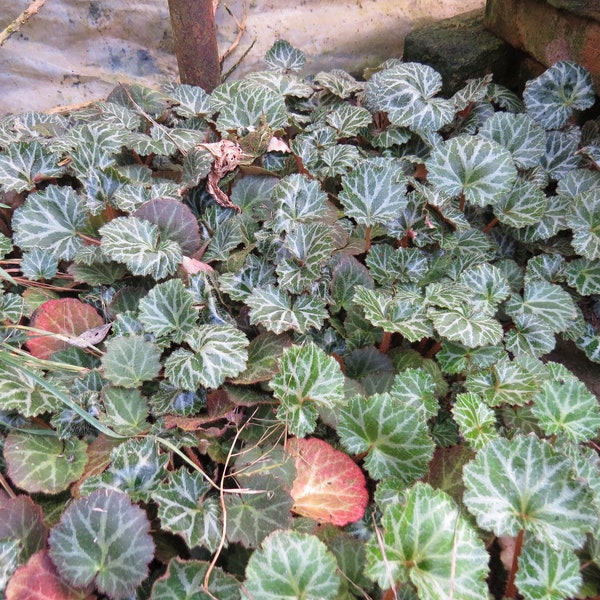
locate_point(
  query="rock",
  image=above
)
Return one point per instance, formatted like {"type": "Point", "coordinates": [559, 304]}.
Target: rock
{"type": "Point", "coordinates": [583, 8]}
{"type": "Point", "coordinates": [460, 48]}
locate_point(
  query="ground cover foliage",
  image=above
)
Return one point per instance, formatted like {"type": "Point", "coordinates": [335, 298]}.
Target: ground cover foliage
{"type": "Point", "coordinates": [287, 340]}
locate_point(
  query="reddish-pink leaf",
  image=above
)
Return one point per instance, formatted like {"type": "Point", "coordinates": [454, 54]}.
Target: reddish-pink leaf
{"type": "Point", "coordinates": [67, 317]}
{"type": "Point", "coordinates": [38, 580]}
{"type": "Point", "coordinates": [329, 486]}
{"type": "Point", "coordinates": [22, 519]}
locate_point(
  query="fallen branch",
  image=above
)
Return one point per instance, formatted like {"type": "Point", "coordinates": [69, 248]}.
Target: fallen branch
{"type": "Point", "coordinates": [32, 9]}
{"type": "Point", "coordinates": [241, 27]}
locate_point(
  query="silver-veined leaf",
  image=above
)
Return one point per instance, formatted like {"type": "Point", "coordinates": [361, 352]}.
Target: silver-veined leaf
{"type": "Point", "coordinates": [140, 245]}
{"type": "Point", "coordinates": [43, 463]}
{"type": "Point", "coordinates": [24, 164]}
{"type": "Point", "coordinates": [416, 388]}
{"type": "Point", "coordinates": [191, 100]}
{"type": "Point", "coordinates": [126, 410]}
{"type": "Point", "coordinates": [428, 542]}
{"type": "Point", "coordinates": [547, 574]}
{"type": "Point", "coordinates": [477, 422]}
{"type": "Point", "coordinates": [217, 352]}
{"type": "Point", "coordinates": [406, 93]}
{"type": "Point", "coordinates": [291, 565]}
{"type": "Point", "coordinates": [487, 284]}
{"type": "Point", "coordinates": [374, 192]}
{"type": "Point", "coordinates": [524, 483]}
{"type": "Point", "coordinates": [388, 264]}
{"type": "Point", "coordinates": [455, 358]}
{"type": "Point", "coordinates": [168, 310]}
{"type": "Point", "coordinates": [129, 361]}
{"type": "Point", "coordinates": [584, 219]}
{"type": "Point", "coordinates": [519, 134]}
{"type": "Point", "coordinates": [94, 146]}
{"type": "Point", "coordinates": [185, 508]}
{"type": "Point", "coordinates": [561, 155]}
{"type": "Point", "coordinates": [51, 219]}
{"type": "Point", "coordinates": [23, 394]}
{"type": "Point", "coordinates": [307, 380]}
{"type": "Point", "coordinates": [551, 98]}
{"type": "Point", "coordinates": [348, 120]}
{"type": "Point", "coordinates": [529, 335]}
{"type": "Point", "coordinates": [264, 352]}
{"type": "Point", "coordinates": [524, 205]}
{"type": "Point", "coordinates": [468, 325]}
{"type": "Point", "coordinates": [584, 275]}
{"type": "Point", "coordinates": [103, 538]}
{"type": "Point", "coordinates": [565, 407]}
{"type": "Point", "coordinates": [338, 82]}
{"type": "Point", "coordinates": [282, 56]}
{"type": "Point", "coordinates": [338, 160]}
{"type": "Point", "coordinates": [393, 434]}
{"type": "Point", "coordinates": [577, 181]}
{"type": "Point", "coordinates": [347, 274]}
{"type": "Point", "coordinates": [479, 168]}
{"type": "Point", "coordinates": [256, 272]}
{"type": "Point", "coordinates": [38, 264]}
{"type": "Point", "coordinates": [276, 310]}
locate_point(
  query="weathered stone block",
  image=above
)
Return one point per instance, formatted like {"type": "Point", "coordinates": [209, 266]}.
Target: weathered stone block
{"type": "Point", "coordinates": [460, 48]}
{"type": "Point", "coordinates": [546, 33]}
{"type": "Point", "coordinates": [583, 8]}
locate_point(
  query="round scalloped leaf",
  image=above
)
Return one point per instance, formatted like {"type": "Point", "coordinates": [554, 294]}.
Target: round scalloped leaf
{"type": "Point", "coordinates": [291, 566]}
{"type": "Point", "coordinates": [584, 219]}
{"type": "Point", "coordinates": [67, 317]}
{"type": "Point", "coordinates": [44, 463]}
{"type": "Point", "coordinates": [547, 574]}
{"type": "Point", "coordinates": [565, 407]}
{"type": "Point", "coordinates": [584, 276]}
{"type": "Point", "coordinates": [348, 120]}
{"type": "Point", "coordinates": [551, 98]}
{"type": "Point", "coordinates": [184, 580]}
{"type": "Point", "coordinates": [51, 220]}
{"type": "Point", "coordinates": [416, 387]}
{"type": "Point", "coordinates": [519, 134]}
{"type": "Point", "coordinates": [22, 520]}
{"type": "Point", "coordinates": [103, 538]}
{"type": "Point", "coordinates": [406, 93]}
{"type": "Point", "coordinates": [524, 483]}
{"type": "Point", "coordinates": [374, 192]}
{"type": "Point", "coordinates": [168, 310]}
{"type": "Point", "coordinates": [477, 422]}
{"type": "Point", "coordinates": [264, 352]}
{"type": "Point", "coordinates": [329, 486]}
{"type": "Point", "coordinates": [139, 245]}
{"type": "Point", "coordinates": [38, 578]}
{"type": "Point", "coordinates": [218, 352]}
{"type": "Point", "coordinates": [24, 164]}
{"type": "Point", "coordinates": [129, 361]}
{"type": "Point", "coordinates": [479, 168]}
{"type": "Point", "coordinates": [529, 335]}
{"type": "Point", "coordinates": [126, 410]}
{"type": "Point", "coordinates": [427, 541]}
{"type": "Point", "coordinates": [468, 325]}
{"type": "Point", "coordinates": [307, 379]}
{"type": "Point", "coordinates": [524, 205]}
{"type": "Point", "coordinates": [191, 100]}
{"type": "Point", "coordinates": [175, 220]}
{"type": "Point", "coordinates": [282, 56]}
{"type": "Point", "coordinates": [393, 434]}
{"type": "Point", "coordinates": [185, 509]}
{"type": "Point", "coordinates": [38, 264]}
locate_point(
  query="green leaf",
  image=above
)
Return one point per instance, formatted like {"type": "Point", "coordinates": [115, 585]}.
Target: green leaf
{"type": "Point", "coordinates": [282, 56]}
{"type": "Point", "coordinates": [297, 199]}
{"type": "Point", "coordinates": [428, 542]}
{"type": "Point", "coordinates": [565, 407]}
{"type": "Point", "coordinates": [347, 274]}
{"type": "Point", "coordinates": [51, 220]}
{"type": "Point", "coordinates": [292, 566]}
{"type": "Point", "coordinates": [524, 484]}
{"type": "Point", "coordinates": [551, 98]}
{"type": "Point", "coordinates": [308, 379]}
{"type": "Point", "coordinates": [547, 574]}
{"type": "Point", "coordinates": [387, 264]}
{"type": "Point", "coordinates": [129, 361]}
{"type": "Point", "coordinates": [416, 388]}
{"type": "Point", "coordinates": [467, 325]}
{"type": "Point", "coordinates": [584, 219]}
{"type": "Point", "coordinates": [406, 93]}
{"type": "Point", "coordinates": [305, 250]}
{"type": "Point", "coordinates": [126, 410]}
{"type": "Point", "coordinates": [185, 508]}
{"type": "Point", "coordinates": [255, 513]}
{"type": "Point", "coordinates": [44, 463]}
{"type": "Point", "coordinates": [529, 335]}
{"type": "Point", "coordinates": [519, 134]}
{"type": "Point", "coordinates": [103, 539]}
{"type": "Point", "coordinates": [140, 245]}
{"type": "Point", "coordinates": [487, 284]}
{"type": "Point", "coordinates": [476, 421]}
{"type": "Point", "coordinates": [217, 352]}
{"type": "Point", "coordinates": [184, 580]}
{"type": "Point", "coordinates": [338, 82]}
{"type": "Point", "coordinates": [524, 205]}
{"type": "Point", "coordinates": [256, 272]}
{"type": "Point", "coordinates": [561, 153]}
{"type": "Point", "coordinates": [23, 165]}
{"type": "Point", "coordinates": [38, 264]}
{"type": "Point", "coordinates": [21, 521]}
{"type": "Point", "coordinates": [264, 353]}
{"type": "Point", "coordinates": [22, 393]}
{"type": "Point", "coordinates": [393, 434]}
{"type": "Point", "coordinates": [584, 275]}
{"type": "Point", "coordinates": [481, 169]}
{"type": "Point", "coordinates": [168, 310]}
{"type": "Point", "coordinates": [276, 310]}
{"type": "Point", "coordinates": [9, 560]}
{"type": "Point", "coordinates": [191, 100]}
{"type": "Point", "coordinates": [348, 120]}
{"type": "Point", "coordinates": [374, 192]}
{"type": "Point", "coordinates": [456, 358]}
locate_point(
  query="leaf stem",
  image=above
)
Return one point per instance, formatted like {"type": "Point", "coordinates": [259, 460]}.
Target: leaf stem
{"type": "Point", "coordinates": [386, 342]}
{"type": "Point", "coordinates": [511, 590]}
{"type": "Point", "coordinates": [367, 238]}
{"type": "Point", "coordinates": [490, 225]}
{"type": "Point", "coordinates": [461, 204]}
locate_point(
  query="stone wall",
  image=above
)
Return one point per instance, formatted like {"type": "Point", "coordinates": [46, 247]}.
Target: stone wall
{"type": "Point", "coordinates": [75, 51]}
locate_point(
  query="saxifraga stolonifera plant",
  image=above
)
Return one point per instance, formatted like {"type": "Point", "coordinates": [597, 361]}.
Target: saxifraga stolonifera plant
{"type": "Point", "coordinates": [288, 340]}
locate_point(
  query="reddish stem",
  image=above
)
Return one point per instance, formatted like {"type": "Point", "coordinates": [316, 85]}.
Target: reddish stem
{"type": "Point", "coordinates": [490, 225]}
{"type": "Point", "coordinates": [511, 590]}
{"type": "Point", "coordinates": [461, 205]}
{"type": "Point", "coordinates": [437, 346]}
{"type": "Point", "coordinates": [367, 238]}
{"type": "Point", "coordinates": [386, 342]}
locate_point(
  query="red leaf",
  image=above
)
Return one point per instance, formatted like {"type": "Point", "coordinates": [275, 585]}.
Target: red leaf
{"type": "Point", "coordinates": [38, 580]}
{"type": "Point", "coordinates": [329, 486]}
{"type": "Point", "coordinates": [67, 317]}
{"type": "Point", "coordinates": [21, 518]}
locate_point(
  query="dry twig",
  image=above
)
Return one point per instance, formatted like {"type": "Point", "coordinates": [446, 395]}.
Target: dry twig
{"type": "Point", "coordinates": [13, 27]}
